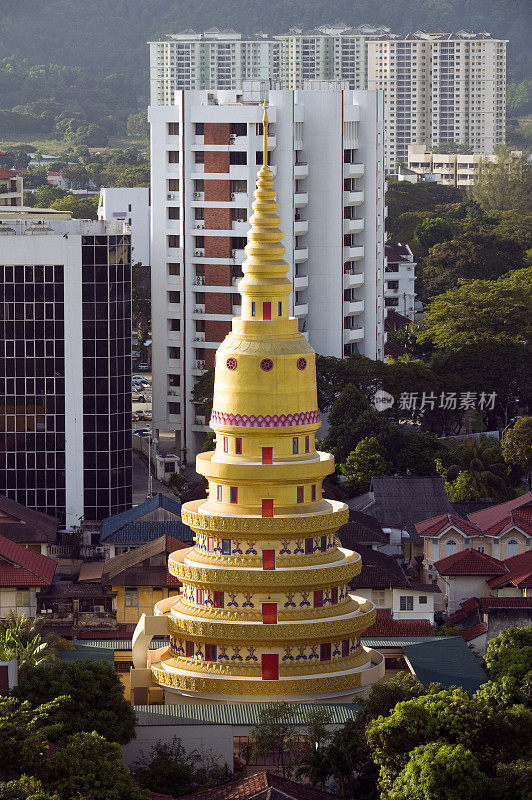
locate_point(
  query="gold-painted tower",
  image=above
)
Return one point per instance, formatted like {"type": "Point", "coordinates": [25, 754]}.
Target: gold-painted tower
{"type": "Point", "coordinates": [264, 612]}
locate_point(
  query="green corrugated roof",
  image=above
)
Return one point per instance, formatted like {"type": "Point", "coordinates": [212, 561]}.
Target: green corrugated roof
{"type": "Point", "coordinates": [234, 713]}
{"type": "Point", "coordinates": [449, 662]}
{"type": "Point", "coordinates": [391, 641]}
{"type": "Point", "coordinates": [82, 651]}
{"type": "Point", "coordinates": [123, 644]}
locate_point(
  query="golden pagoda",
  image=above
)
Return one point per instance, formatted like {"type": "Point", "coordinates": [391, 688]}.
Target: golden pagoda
{"type": "Point", "coordinates": [264, 612]}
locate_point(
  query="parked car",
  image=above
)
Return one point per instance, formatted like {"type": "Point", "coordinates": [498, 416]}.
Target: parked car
{"type": "Point", "coordinates": [143, 367]}
{"type": "Point", "coordinates": [144, 414]}
{"type": "Point", "coordinates": [141, 432]}
{"type": "Point", "coordinates": [140, 379]}
{"type": "Point", "coordinates": [138, 397]}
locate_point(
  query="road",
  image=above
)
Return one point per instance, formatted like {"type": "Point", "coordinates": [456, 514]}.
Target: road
{"type": "Point", "coordinates": [140, 482]}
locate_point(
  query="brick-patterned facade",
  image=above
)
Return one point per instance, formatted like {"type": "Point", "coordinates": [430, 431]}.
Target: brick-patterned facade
{"type": "Point", "coordinates": [216, 161]}
{"type": "Point", "coordinates": [216, 132]}
{"type": "Point", "coordinates": [216, 331]}
{"type": "Point", "coordinates": [218, 219]}
{"type": "Point", "coordinates": [217, 275]}
{"type": "Point", "coordinates": [217, 247]}
{"type": "Point", "coordinates": [217, 304]}
{"type": "Point", "coordinates": [218, 190]}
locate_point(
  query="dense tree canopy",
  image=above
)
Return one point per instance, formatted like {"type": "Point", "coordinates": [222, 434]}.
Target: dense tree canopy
{"type": "Point", "coordinates": [95, 698]}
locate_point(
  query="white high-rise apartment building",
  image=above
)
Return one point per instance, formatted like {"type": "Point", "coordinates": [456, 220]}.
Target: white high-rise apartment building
{"type": "Point", "coordinates": [326, 149]}
{"type": "Point", "coordinates": [224, 59]}
{"type": "Point", "coordinates": [440, 87]}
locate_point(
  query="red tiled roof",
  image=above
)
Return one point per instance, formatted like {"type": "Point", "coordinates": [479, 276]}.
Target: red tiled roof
{"type": "Point", "coordinates": [519, 572]}
{"type": "Point", "coordinates": [5, 173]}
{"type": "Point", "coordinates": [476, 630]}
{"type": "Point", "coordinates": [31, 568]}
{"type": "Point", "coordinates": [489, 517]}
{"type": "Point", "coordinates": [384, 625]}
{"type": "Point", "coordinates": [255, 784]}
{"type": "Point", "coordinates": [436, 525]}
{"type": "Point", "coordinates": [470, 562]}
{"type": "Point", "coordinates": [505, 602]}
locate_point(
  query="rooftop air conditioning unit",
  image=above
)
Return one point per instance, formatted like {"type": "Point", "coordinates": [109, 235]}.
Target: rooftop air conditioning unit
{"type": "Point", "coordinates": [197, 252]}
{"type": "Point", "coordinates": [98, 609]}
{"type": "Point", "coordinates": [197, 195]}
{"type": "Point", "coordinates": [200, 224]}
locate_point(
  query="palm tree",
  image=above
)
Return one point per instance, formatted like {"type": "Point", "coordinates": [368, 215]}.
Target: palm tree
{"type": "Point", "coordinates": [482, 458]}
{"type": "Point", "coordinates": [19, 638]}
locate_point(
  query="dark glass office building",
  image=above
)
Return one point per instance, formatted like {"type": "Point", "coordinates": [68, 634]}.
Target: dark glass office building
{"type": "Point", "coordinates": [65, 367]}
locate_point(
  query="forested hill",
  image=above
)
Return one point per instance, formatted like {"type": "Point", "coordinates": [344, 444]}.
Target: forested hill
{"type": "Point", "coordinates": [109, 36]}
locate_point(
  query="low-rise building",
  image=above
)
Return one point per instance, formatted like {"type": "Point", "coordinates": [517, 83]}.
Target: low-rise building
{"type": "Point", "coordinates": [450, 169]}
{"type": "Point", "coordinates": [483, 618]}
{"type": "Point", "coordinates": [31, 529]}
{"type": "Point", "coordinates": [23, 574]}
{"type": "Point", "coordinates": [158, 516]}
{"type": "Point", "coordinates": [501, 531]}
{"type": "Point", "coordinates": [384, 581]}
{"type": "Point", "coordinates": [399, 279]}
{"type": "Point", "coordinates": [130, 205]}
{"type": "Point", "coordinates": [140, 578]}
{"type": "Point", "coordinates": [465, 574]}
{"type": "Point", "coordinates": [11, 189]}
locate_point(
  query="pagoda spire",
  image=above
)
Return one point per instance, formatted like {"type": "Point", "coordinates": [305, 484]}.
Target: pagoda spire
{"type": "Point", "coordinates": [264, 269]}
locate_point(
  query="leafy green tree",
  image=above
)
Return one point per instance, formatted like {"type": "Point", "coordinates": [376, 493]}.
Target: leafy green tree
{"type": "Point", "coordinates": [481, 311]}
{"type": "Point", "coordinates": [46, 195]}
{"type": "Point", "coordinates": [81, 207]}
{"type": "Point", "coordinates": [433, 231]}
{"type": "Point", "coordinates": [510, 653]}
{"type": "Point", "coordinates": [203, 390]}
{"type": "Point", "coordinates": [438, 771]}
{"type": "Point", "coordinates": [276, 733]}
{"type": "Point", "coordinates": [24, 731]}
{"type": "Point", "coordinates": [503, 184]}
{"type": "Point", "coordinates": [452, 147]}
{"type": "Point", "coordinates": [28, 654]}
{"type": "Point", "coordinates": [138, 126]}
{"type": "Point", "coordinates": [315, 764]}
{"type": "Point", "coordinates": [342, 438]}
{"type": "Point", "coordinates": [95, 698]}
{"type": "Point", "coordinates": [365, 462]}
{"type": "Point", "coordinates": [77, 175]}
{"type": "Point", "coordinates": [482, 462]}
{"type": "Point", "coordinates": [26, 788]}
{"type": "Point", "coordinates": [471, 255]}
{"type": "Point", "coordinates": [516, 227]}
{"type": "Point", "coordinates": [140, 297]}
{"type": "Point", "coordinates": [513, 781]}
{"type": "Point", "coordinates": [517, 444]}
{"type": "Point", "coordinates": [89, 766]}
{"type": "Point", "coordinates": [383, 697]}
{"type": "Point", "coordinates": [519, 97]}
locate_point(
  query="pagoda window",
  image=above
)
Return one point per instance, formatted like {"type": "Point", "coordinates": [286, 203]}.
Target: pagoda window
{"type": "Point", "coordinates": [238, 446]}
{"type": "Point", "coordinates": [268, 559]}
{"type": "Point", "coordinates": [210, 544]}
{"type": "Point", "coordinates": [226, 444]}
{"type": "Point", "coordinates": [334, 596]}
{"type": "Point", "coordinates": [295, 445]}
{"type": "Point", "coordinates": [200, 597]}
{"type": "Point", "coordinates": [270, 667]}
{"type": "Point", "coordinates": [252, 308]}
{"type": "Point", "coordinates": [325, 652]}
{"type": "Point", "coordinates": [266, 311]}
{"type": "Point", "coordinates": [318, 598]}
{"type": "Point", "coordinates": [307, 444]}
{"type": "Point", "coordinates": [345, 648]}
{"type": "Point", "coordinates": [279, 309]}
{"type": "Point", "coordinates": [226, 547]}
{"type": "Point", "coordinates": [219, 493]}
{"type": "Point", "coordinates": [313, 493]}
{"type": "Point", "coordinates": [323, 544]}
{"type": "Point", "coordinates": [267, 507]}
{"type": "Point", "coordinates": [211, 652]}
{"type": "Point", "coordinates": [189, 649]}
{"type": "Point", "coordinates": [218, 600]}
{"type": "Point", "coordinates": [309, 547]}
{"type": "Point", "coordinates": [233, 495]}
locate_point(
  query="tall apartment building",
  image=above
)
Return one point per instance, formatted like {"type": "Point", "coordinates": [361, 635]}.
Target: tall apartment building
{"type": "Point", "coordinates": [440, 87]}
{"type": "Point", "coordinates": [65, 365]}
{"type": "Point", "coordinates": [400, 278]}
{"type": "Point", "coordinates": [224, 59]}
{"type": "Point", "coordinates": [325, 146]}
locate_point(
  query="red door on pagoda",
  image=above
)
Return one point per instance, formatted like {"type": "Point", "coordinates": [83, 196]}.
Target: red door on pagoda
{"type": "Point", "coordinates": [268, 559]}
{"type": "Point", "coordinates": [267, 311]}
{"type": "Point", "coordinates": [267, 455]}
{"type": "Point", "coordinates": [267, 508]}
{"type": "Point", "coordinates": [270, 667]}
{"type": "Point", "coordinates": [269, 613]}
